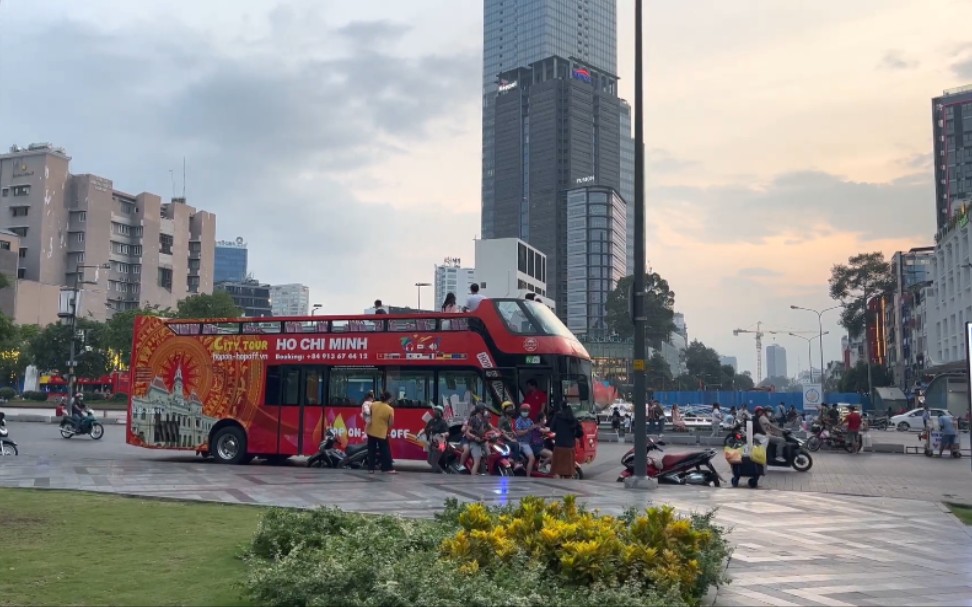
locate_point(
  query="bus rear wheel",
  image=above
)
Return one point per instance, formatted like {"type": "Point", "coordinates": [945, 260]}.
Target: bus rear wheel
{"type": "Point", "coordinates": [229, 445]}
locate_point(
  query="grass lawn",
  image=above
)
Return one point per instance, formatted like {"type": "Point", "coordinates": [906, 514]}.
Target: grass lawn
{"type": "Point", "coordinates": [963, 512]}
{"type": "Point", "coordinates": [74, 548]}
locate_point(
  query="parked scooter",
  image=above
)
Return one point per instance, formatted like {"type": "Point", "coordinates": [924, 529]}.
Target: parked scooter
{"type": "Point", "coordinates": [835, 439]}
{"type": "Point", "coordinates": [795, 455]}
{"type": "Point", "coordinates": [89, 425]}
{"type": "Point", "coordinates": [329, 455]}
{"type": "Point", "coordinates": [693, 468]}
{"type": "Point", "coordinates": [7, 446]}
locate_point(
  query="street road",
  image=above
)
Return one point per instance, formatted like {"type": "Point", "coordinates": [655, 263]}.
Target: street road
{"type": "Point", "coordinates": [877, 475]}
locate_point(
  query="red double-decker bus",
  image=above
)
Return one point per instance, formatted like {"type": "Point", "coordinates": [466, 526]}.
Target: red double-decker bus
{"type": "Point", "coordinates": [237, 389]}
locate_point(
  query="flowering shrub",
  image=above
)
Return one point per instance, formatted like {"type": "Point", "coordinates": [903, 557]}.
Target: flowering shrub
{"type": "Point", "coordinates": [654, 549]}
{"type": "Point", "coordinates": [499, 556]}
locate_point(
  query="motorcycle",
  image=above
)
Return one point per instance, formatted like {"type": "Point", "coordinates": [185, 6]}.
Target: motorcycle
{"type": "Point", "coordinates": [7, 446]}
{"type": "Point", "coordinates": [520, 462]}
{"type": "Point", "coordinates": [89, 425]}
{"type": "Point", "coordinates": [329, 455]}
{"type": "Point", "coordinates": [835, 439]}
{"type": "Point", "coordinates": [693, 468]}
{"type": "Point", "coordinates": [795, 454]}
{"type": "Point", "coordinates": [355, 456]}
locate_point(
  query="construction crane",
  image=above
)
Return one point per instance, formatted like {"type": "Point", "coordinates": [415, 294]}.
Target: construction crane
{"type": "Point", "coordinates": [759, 332]}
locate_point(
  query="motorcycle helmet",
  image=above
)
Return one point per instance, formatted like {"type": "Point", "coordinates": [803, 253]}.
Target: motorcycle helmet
{"type": "Point", "coordinates": [439, 409]}
{"type": "Point", "coordinates": [507, 405]}
{"type": "Point", "coordinates": [757, 411]}
{"type": "Point", "coordinates": [79, 395]}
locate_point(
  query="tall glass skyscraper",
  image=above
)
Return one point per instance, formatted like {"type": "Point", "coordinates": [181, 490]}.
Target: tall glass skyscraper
{"type": "Point", "coordinates": [230, 261]}
{"type": "Point", "coordinates": [553, 123]}
{"type": "Point", "coordinates": [517, 33]}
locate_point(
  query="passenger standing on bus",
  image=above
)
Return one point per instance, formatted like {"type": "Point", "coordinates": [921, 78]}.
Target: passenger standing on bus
{"type": "Point", "coordinates": [536, 398]}
{"type": "Point", "coordinates": [380, 309]}
{"type": "Point", "coordinates": [382, 419]}
{"type": "Point", "coordinates": [449, 305]}
{"type": "Point", "coordinates": [366, 407]}
{"type": "Point", "coordinates": [474, 298]}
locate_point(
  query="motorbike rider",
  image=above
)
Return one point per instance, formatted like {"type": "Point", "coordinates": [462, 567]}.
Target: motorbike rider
{"type": "Point", "coordinates": [436, 428]}
{"type": "Point", "coordinates": [475, 433]}
{"type": "Point", "coordinates": [764, 425]}
{"type": "Point", "coordinates": [78, 409]}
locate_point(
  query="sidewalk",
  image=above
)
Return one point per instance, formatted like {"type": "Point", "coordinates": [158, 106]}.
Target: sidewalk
{"type": "Point", "coordinates": [790, 548]}
{"type": "Point", "coordinates": [48, 415]}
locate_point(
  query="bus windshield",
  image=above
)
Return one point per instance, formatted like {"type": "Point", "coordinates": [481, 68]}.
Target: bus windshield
{"type": "Point", "coordinates": [549, 323]}
{"type": "Point", "coordinates": [576, 388]}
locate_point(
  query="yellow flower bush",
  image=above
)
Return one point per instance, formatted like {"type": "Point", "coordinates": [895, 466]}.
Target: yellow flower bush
{"type": "Point", "coordinates": [655, 548]}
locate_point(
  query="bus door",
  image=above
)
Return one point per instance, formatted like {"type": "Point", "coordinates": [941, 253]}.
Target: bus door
{"type": "Point", "coordinates": [542, 378]}
{"type": "Point", "coordinates": [501, 386]}
{"type": "Point", "coordinates": [301, 408]}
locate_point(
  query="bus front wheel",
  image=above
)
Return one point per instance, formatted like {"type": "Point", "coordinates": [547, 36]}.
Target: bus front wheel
{"type": "Point", "coordinates": [229, 445]}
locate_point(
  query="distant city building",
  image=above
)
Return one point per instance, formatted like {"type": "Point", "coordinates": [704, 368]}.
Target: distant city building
{"type": "Point", "coordinates": [680, 327]}
{"type": "Point", "coordinates": [251, 296]}
{"type": "Point", "coordinates": [948, 301]}
{"type": "Point", "coordinates": [289, 300]}
{"type": "Point", "coordinates": [230, 261]}
{"type": "Point", "coordinates": [596, 252]}
{"type": "Point", "coordinates": [951, 118]}
{"type": "Point", "coordinates": [731, 361]}
{"type": "Point", "coordinates": [451, 277]}
{"type": "Point", "coordinates": [509, 267]}
{"type": "Point", "coordinates": [906, 339]}
{"type": "Point", "coordinates": [776, 361]}
{"type": "Point", "coordinates": [69, 226]}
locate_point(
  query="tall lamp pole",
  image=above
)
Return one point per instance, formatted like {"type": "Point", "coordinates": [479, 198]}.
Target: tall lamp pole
{"type": "Point", "coordinates": [809, 341]}
{"type": "Point", "coordinates": [72, 363]}
{"type": "Point", "coordinates": [418, 287]}
{"type": "Point", "coordinates": [315, 308]}
{"type": "Point", "coordinates": [639, 480]}
{"type": "Point", "coordinates": [819, 314]}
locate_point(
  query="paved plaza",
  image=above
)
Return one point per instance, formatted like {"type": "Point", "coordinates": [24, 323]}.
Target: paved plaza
{"type": "Point", "coordinates": [792, 547]}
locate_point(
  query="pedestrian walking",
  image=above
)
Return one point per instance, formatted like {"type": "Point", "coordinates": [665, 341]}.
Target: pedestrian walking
{"type": "Point", "coordinates": [382, 420]}
{"type": "Point", "coordinates": [566, 431]}
{"type": "Point", "coordinates": [853, 421]}
{"type": "Point", "coordinates": [716, 419]}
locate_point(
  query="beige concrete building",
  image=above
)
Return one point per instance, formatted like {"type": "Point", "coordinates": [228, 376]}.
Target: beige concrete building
{"type": "Point", "coordinates": [156, 252]}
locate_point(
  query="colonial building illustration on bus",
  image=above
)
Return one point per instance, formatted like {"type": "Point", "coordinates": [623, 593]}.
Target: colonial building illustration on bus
{"type": "Point", "coordinates": [166, 417]}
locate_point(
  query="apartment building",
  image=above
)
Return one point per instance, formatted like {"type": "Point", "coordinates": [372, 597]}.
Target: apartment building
{"type": "Point", "coordinates": [123, 250]}
{"type": "Point", "coordinates": [289, 300]}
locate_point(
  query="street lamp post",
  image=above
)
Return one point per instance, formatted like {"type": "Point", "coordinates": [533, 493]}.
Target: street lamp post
{"type": "Point", "coordinates": [315, 308]}
{"type": "Point", "coordinates": [639, 480]}
{"type": "Point", "coordinates": [819, 314]}
{"type": "Point", "coordinates": [418, 287]}
{"type": "Point", "coordinates": [72, 363]}
{"type": "Point", "coordinates": [809, 341]}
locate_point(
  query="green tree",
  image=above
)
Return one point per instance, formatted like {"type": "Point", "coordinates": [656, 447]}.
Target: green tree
{"type": "Point", "coordinates": [743, 381]}
{"type": "Point", "coordinates": [658, 372]}
{"type": "Point", "coordinates": [14, 354]}
{"type": "Point", "coordinates": [864, 276]}
{"type": "Point", "coordinates": [702, 364]}
{"type": "Point", "coordinates": [120, 328]}
{"type": "Point", "coordinates": [659, 309]}
{"type": "Point", "coordinates": [855, 379]}
{"type": "Point", "coordinates": [218, 305]}
{"type": "Point", "coordinates": [50, 348]}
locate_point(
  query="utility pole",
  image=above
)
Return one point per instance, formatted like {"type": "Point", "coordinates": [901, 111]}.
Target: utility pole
{"type": "Point", "coordinates": [72, 362]}
{"type": "Point", "coordinates": [640, 480]}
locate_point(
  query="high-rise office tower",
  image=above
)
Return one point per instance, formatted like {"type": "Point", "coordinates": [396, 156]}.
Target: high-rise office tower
{"type": "Point", "coordinates": [951, 122]}
{"type": "Point", "coordinates": [230, 261]}
{"type": "Point", "coordinates": [775, 361]}
{"type": "Point", "coordinates": [552, 121]}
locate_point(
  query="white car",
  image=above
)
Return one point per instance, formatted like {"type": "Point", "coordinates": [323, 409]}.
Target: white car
{"type": "Point", "coordinates": [912, 420]}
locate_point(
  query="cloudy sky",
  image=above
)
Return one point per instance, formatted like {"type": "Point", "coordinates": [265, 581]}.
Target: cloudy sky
{"type": "Point", "coordinates": [342, 140]}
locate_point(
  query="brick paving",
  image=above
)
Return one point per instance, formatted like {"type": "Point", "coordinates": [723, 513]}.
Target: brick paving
{"type": "Point", "coordinates": [792, 548]}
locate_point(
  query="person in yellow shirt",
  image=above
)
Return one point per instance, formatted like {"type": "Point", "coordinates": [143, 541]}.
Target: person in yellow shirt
{"type": "Point", "coordinates": [382, 419]}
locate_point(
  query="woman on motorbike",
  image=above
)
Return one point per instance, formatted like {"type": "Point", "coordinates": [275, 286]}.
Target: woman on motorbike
{"type": "Point", "coordinates": [436, 431]}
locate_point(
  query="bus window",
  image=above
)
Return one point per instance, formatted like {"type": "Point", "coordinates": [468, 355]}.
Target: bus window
{"type": "Point", "coordinates": [347, 387]}
{"type": "Point", "coordinates": [455, 324]}
{"type": "Point", "coordinates": [314, 386]}
{"type": "Point", "coordinates": [261, 327]}
{"type": "Point", "coordinates": [306, 326]}
{"type": "Point", "coordinates": [458, 391]}
{"type": "Point", "coordinates": [515, 318]}
{"type": "Point", "coordinates": [410, 388]}
{"type": "Point", "coordinates": [221, 328]}
{"type": "Point", "coordinates": [577, 394]}
{"type": "Point", "coordinates": [283, 386]}
{"type": "Point", "coordinates": [184, 328]}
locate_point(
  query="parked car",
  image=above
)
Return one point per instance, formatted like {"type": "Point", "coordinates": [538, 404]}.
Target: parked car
{"type": "Point", "coordinates": [911, 421]}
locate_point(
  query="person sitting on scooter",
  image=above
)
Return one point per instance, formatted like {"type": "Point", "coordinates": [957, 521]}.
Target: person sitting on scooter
{"type": "Point", "coordinates": [436, 427]}
{"type": "Point", "coordinates": [78, 409]}
{"type": "Point", "coordinates": [475, 433]}
{"type": "Point", "coordinates": [763, 425]}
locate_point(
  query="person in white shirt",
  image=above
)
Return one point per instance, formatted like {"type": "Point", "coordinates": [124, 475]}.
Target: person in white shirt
{"type": "Point", "coordinates": [474, 298]}
{"type": "Point", "coordinates": [366, 406]}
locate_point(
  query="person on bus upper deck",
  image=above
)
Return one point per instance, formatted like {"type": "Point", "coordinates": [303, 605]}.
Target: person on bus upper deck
{"type": "Point", "coordinates": [449, 305]}
{"type": "Point", "coordinates": [474, 298]}
{"type": "Point", "coordinates": [536, 398]}
{"type": "Point", "coordinates": [380, 309]}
